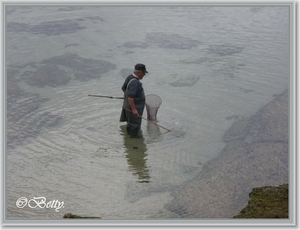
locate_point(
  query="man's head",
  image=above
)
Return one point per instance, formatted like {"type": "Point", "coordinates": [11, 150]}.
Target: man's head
{"type": "Point", "coordinates": [140, 70]}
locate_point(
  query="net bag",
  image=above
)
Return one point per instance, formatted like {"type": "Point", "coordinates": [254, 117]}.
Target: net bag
{"type": "Point", "coordinates": [152, 105]}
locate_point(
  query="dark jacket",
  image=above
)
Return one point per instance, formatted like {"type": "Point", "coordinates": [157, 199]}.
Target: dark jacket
{"type": "Point", "coordinates": [133, 88]}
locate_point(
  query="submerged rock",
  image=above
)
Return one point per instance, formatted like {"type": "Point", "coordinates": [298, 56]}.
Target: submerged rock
{"type": "Point", "coordinates": [225, 49]}
{"type": "Point", "coordinates": [196, 61]}
{"type": "Point", "coordinates": [25, 118]}
{"type": "Point", "coordinates": [49, 75]}
{"type": "Point", "coordinates": [83, 68]}
{"type": "Point", "coordinates": [178, 80]}
{"type": "Point", "coordinates": [70, 60]}
{"type": "Point", "coordinates": [171, 41]}
{"type": "Point", "coordinates": [186, 81]}
{"type": "Point", "coordinates": [60, 70]}
{"type": "Point", "coordinates": [72, 44]}
{"type": "Point", "coordinates": [72, 216]}
{"type": "Point", "coordinates": [47, 28]}
{"type": "Point", "coordinates": [136, 44]}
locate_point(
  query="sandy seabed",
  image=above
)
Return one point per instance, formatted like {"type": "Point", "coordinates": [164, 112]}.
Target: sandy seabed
{"type": "Point", "coordinates": [256, 154]}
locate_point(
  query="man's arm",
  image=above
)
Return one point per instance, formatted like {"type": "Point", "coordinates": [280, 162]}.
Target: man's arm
{"type": "Point", "coordinates": [133, 109]}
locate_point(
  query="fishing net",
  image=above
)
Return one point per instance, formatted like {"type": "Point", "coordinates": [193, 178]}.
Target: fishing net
{"type": "Point", "coordinates": [152, 105]}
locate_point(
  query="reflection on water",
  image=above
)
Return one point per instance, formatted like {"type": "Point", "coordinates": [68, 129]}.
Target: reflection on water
{"type": "Point", "coordinates": [154, 133]}
{"type": "Point", "coordinates": [135, 149]}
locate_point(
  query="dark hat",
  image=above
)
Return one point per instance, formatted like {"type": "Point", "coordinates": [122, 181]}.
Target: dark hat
{"type": "Point", "coordinates": [141, 67]}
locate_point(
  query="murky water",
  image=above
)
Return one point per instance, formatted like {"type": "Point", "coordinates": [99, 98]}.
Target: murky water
{"type": "Point", "coordinates": [209, 65]}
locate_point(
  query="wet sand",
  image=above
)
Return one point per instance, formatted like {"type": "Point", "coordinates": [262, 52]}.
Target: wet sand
{"type": "Point", "coordinates": [256, 154]}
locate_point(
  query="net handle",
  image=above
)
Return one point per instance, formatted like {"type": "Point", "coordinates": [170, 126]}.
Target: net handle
{"type": "Point", "coordinates": [148, 120]}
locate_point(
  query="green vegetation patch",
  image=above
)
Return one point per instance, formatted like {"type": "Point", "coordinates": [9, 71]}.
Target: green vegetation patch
{"type": "Point", "coordinates": [267, 202]}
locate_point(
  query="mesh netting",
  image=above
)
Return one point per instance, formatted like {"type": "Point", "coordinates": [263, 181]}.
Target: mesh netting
{"type": "Point", "coordinates": [152, 105]}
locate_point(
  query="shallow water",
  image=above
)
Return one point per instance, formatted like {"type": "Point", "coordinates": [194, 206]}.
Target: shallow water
{"type": "Point", "coordinates": [210, 65]}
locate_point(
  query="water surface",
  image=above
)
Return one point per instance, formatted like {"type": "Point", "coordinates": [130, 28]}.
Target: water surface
{"type": "Point", "coordinates": [210, 65]}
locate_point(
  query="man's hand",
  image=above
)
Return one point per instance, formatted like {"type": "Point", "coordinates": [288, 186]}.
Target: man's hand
{"type": "Point", "coordinates": [135, 112]}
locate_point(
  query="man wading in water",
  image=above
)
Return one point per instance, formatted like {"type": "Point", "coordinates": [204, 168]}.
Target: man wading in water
{"type": "Point", "coordinates": [134, 100]}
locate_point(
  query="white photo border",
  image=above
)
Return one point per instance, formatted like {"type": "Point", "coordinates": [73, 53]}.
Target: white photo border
{"type": "Point", "coordinates": [293, 124]}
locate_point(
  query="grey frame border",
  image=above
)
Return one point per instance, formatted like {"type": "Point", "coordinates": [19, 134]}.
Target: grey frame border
{"type": "Point", "coordinates": [293, 124]}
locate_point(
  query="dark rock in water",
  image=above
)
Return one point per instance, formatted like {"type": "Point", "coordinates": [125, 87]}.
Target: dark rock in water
{"type": "Point", "coordinates": [129, 52]}
{"type": "Point", "coordinates": [92, 129]}
{"type": "Point", "coordinates": [95, 19]}
{"type": "Point", "coordinates": [17, 27]}
{"type": "Point", "coordinates": [179, 80]}
{"type": "Point", "coordinates": [24, 117]}
{"type": "Point", "coordinates": [84, 68]}
{"type": "Point", "coordinates": [12, 88]}
{"type": "Point", "coordinates": [246, 90]}
{"type": "Point", "coordinates": [48, 28]}
{"type": "Point", "coordinates": [225, 49]}
{"type": "Point", "coordinates": [171, 41]}
{"type": "Point", "coordinates": [59, 70]}
{"type": "Point", "coordinates": [72, 216]}
{"type": "Point", "coordinates": [84, 76]}
{"type": "Point", "coordinates": [187, 81]}
{"type": "Point", "coordinates": [176, 134]}
{"type": "Point", "coordinates": [196, 61]}
{"type": "Point", "coordinates": [49, 75]}
{"type": "Point", "coordinates": [73, 44]}
{"type": "Point", "coordinates": [136, 44]}
{"type": "Point", "coordinates": [233, 117]}
{"type": "Point", "coordinates": [57, 27]}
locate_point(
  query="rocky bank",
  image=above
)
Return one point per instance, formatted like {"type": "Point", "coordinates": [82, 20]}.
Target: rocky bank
{"type": "Point", "coordinates": [267, 202]}
{"type": "Point", "coordinates": [256, 155]}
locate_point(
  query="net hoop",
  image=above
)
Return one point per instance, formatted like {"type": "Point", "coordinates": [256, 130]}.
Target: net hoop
{"type": "Point", "coordinates": [153, 103]}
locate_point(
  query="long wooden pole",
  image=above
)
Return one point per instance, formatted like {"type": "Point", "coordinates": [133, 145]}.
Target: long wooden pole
{"type": "Point", "coordinates": [148, 120]}
{"type": "Point", "coordinates": [94, 95]}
